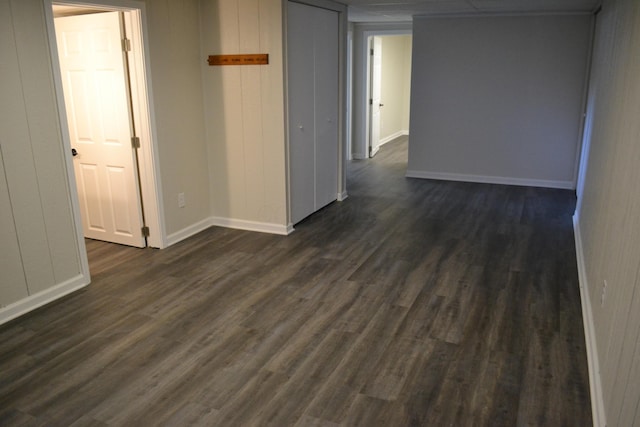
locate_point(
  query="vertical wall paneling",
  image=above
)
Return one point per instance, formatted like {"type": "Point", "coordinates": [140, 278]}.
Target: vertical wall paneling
{"type": "Point", "coordinates": [13, 283]}
{"type": "Point", "coordinates": [251, 97]}
{"type": "Point", "coordinates": [44, 127]}
{"type": "Point", "coordinates": [40, 238]}
{"type": "Point", "coordinates": [178, 105]}
{"type": "Point", "coordinates": [18, 153]}
{"type": "Point", "coordinates": [608, 214]}
{"type": "Point", "coordinates": [244, 110]}
{"type": "Point", "coordinates": [274, 209]}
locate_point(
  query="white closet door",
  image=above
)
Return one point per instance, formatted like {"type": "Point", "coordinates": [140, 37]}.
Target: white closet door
{"type": "Point", "coordinates": [300, 63]}
{"type": "Point", "coordinates": [326, 101]}
{"type": "Point", "coordinates": [312, 61]}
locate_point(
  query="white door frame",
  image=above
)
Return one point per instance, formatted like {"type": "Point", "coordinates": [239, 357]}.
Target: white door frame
{"type": "Point", "coordinates": [144, 117]}
{"type": "Point", "coordinates": [362, 76]}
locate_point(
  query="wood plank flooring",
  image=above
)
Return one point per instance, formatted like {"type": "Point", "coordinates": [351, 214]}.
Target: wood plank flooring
{"type": "Point", "coordinates": [412, 303]}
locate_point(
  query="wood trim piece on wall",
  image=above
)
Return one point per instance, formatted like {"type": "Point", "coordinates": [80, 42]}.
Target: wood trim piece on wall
{"type": "Point", "coordinates": [597, 399]}
{"type": "Point", "coordinates": [567, 185]}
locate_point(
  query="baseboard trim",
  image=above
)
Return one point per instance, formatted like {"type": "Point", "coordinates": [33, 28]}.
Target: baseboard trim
{"type": "Point", "coordinates": [39, 299]}
{"type": "Point", "coordinates": [394, 136]}
{"type": "Point", "coordinates": [595, 384]}
{"type": "Point", "coordinates": [342, 196]}
{"type": "Point", "coordinates": [239, 224]}
{"type": "Point", "coordinates": [262, 227]}
{"type": "Point", "coordinates": [568, 185]}
{"type": "Point", "coordinates": [189, 231]}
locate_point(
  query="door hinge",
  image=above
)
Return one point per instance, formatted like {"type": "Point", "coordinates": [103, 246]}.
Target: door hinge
{"type": "Point", "coordinates": [145, 231]}
{"type": "Point", "coordinates": [370, 101]}
{"type": "Point", "coordinates": [135, 141]}
{"type": "Point", "coordinates": [126, 45]}
{"type": "Point", "coordinates": [371, 52]}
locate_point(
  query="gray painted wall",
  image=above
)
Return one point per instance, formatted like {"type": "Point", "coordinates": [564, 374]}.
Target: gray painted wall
{"type": "Point", "coordinates": [498, 99]}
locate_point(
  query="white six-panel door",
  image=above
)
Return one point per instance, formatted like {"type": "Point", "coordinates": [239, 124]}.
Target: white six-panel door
{"type": "Point", "coordinates": [97, 104]}
{"type": "Point", "coordinates": [313, 76]}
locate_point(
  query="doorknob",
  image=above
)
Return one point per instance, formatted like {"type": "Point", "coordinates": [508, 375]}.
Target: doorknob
{"type": "Point", "coordinates": [74, 152]}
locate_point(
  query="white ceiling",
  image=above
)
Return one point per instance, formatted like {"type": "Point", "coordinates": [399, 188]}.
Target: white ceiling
{"type": "Point", "coordinates": [403, 10]}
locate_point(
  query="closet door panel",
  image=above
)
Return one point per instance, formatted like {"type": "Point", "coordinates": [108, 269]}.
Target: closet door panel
{"type": "Point", "coordinates": [326, 102]}
{"type": "Point", "coordinates": [300, 67]}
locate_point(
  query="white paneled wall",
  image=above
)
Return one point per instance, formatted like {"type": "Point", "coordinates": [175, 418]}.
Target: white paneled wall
{"type": "Point", "coordinates": [178, 102]}
{"type": "Point", "coordinates": [244, 112]}
{"type": "Point", "coordinates": [14, 284]}
{"type": "Point", "coordinates": [608, 215]}
{"type": "Point", "coordinates": [39, 240]}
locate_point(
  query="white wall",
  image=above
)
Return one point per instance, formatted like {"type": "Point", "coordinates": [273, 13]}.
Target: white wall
{"type": "Point", "coordinates": [244, 113]}
{"type": "Point", "coordinates": [39, 251]}
{"type": "Point", "coordinates": [176, 65]}
{"type": "Point", "coordinates": [608, 216]}
{"type": "Point", "coordinates": [396, 83]}
{"type": "Point", "coordinates": [498, 99]}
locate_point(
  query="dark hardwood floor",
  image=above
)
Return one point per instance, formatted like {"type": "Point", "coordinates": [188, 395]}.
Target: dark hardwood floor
{"type": "Point", "coordinates": [413, 302]}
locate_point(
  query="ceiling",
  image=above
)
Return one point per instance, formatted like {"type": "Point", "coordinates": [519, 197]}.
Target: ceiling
{"type": "Point", "coordinates": [403, 10]}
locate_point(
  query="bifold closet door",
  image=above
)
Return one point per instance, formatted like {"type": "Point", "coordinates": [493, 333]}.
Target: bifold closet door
{"type": "Point", "coordinates": [312, 58]}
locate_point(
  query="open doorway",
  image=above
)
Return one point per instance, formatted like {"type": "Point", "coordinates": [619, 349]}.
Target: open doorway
{"type": "Point", "coordinates": [389, 71]}
{"type": "Point", "coordinates": [395, 98]}
{"type": "Point", "coordinates": [100, 53]}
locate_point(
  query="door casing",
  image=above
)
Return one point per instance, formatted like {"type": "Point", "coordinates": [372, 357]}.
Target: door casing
{"type": "Point", "coordinates": [143, 114]}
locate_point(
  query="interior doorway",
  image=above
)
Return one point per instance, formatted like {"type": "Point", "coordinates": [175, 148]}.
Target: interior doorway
{"type": "Point", "coordinates": [107, 110]}
{"type": "Point", "coordinates": [389, 88]}
{"type": "Point", "coordinates": [363, 36]}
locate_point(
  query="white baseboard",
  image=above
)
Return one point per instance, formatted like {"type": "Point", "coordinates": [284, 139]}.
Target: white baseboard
{"type": "Point", "coordinates": [342, 196]}
{"type": "Point", "coordinates": [394, 136]}
{"type": "Point", "coordinates": [239, 224]}
{"type": "Point", "coordinates": [569, 185]}
{"type": "Point", "coordinates": [262, 227]}
{"type": "Point", "coordinates": [189, 231]}
{"type": "Point", "coordinates": [34, 301]}
{"type": "Point", "coordinates": [597, 399]}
